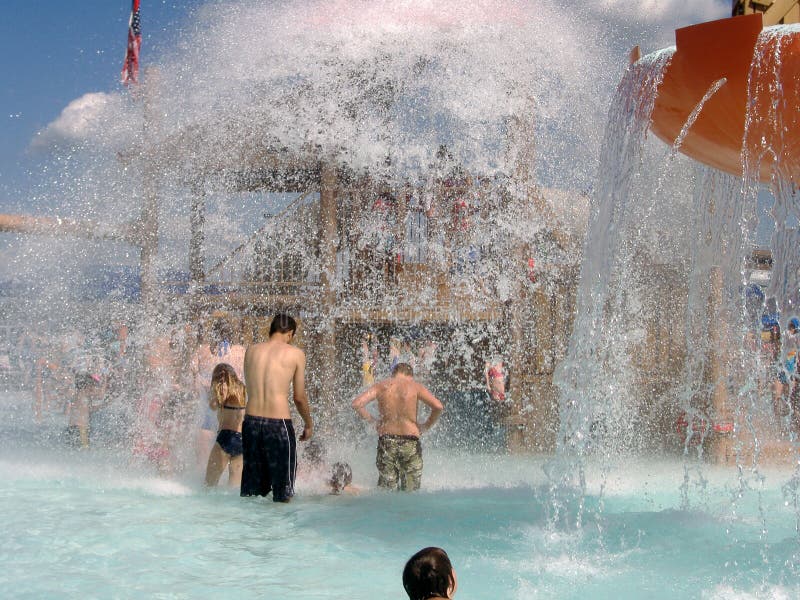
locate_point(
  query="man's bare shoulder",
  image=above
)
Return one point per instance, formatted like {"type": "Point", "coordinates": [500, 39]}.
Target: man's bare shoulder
{"type": "Point", "coordinates": [419, 386]}
{"type": "Point", "coordinates": [257, 348]}
{"type": "Point", "coordinates": [262, 347]}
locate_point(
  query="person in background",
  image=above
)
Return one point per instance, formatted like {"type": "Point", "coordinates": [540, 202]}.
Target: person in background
{"type": "Point", "coordinates": [85, 361]}
{"type": "Point", "coordinates": [791, 346]}
{"type": "Point", "coordinates": [426, 357]}
{"type": "Point", "coordinates": [771, 354]}
{"type": "Point", "coordinates": [153, 427]}
{"type": "Point", "coordinates": [399, 457]}
{"type": "Point", "coordinates": [228, 398]}
{"type": "Point", "coordinates": [369, 358]}
{"type": "Point", "coordinates": [88, 388]}
{"type": "Point", "coordinates": [429, 574]}
{"type": "Point", "coordinates": [202, 365]}
{"type": "Point", "coordinates": [271, 369]}
{"type": "Point", "coordinates": [496, 380]}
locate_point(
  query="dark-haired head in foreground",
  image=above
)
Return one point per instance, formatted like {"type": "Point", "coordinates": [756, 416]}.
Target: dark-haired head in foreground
{"type": "Point", "coordinates": [429, 574]}
{"type": "Point", "coordinates": [282, 323]}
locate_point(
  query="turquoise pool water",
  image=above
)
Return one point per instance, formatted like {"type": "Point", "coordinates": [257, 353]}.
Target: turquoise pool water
{"type": "Point", "coordinates": [79, 525]}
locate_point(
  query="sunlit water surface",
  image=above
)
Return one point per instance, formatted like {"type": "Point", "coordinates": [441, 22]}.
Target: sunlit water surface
{"type": "Point", "coordinates": [86, 525]}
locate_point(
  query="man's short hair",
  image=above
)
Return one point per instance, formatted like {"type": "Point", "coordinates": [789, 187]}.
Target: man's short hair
{"type": "Point", "coordinates": [282, 323]}
{"type": "Point", "coordinates": [428, 574]}
{"type": "Point", "coordinates": [403, 369]}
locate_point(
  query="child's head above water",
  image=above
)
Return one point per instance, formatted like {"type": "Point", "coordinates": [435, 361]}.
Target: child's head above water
{"type": "Point", "coordinates": [341, 477]}
{"type": "Point", "coordinates": [429, 574]}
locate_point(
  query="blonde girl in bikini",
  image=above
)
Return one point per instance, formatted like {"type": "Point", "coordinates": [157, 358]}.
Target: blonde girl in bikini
{"type": "Point", "coordinates": [228, 398]}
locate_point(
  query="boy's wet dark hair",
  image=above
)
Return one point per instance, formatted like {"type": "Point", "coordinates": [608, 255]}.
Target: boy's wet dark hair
{"type": "Point", "coordinates": [341, 477]}
{"type": "Point", "coordinates": [428, 574]}
{"type": "Point", "coordinates": [282, 323]}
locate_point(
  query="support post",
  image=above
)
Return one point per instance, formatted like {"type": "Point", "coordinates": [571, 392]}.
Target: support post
{"type": "Point", "coordinates": [328, 234]}
{"type": "Point", "coordinates": [520, 155]}
{"type": "Point", "coordinates": [197, 221]}
{"type": "Point", "coordinates": [720, 447]}
{"type": "Point", "coordinates": [148, 224]}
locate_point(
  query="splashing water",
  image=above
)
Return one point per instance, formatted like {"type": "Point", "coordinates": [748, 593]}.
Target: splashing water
{"type": "Point", "coordinates": [668, 326]}
{"type": "Point", "coordinates": [413, 102]}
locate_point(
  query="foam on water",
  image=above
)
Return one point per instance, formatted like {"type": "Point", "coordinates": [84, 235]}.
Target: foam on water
{"type": "Point", "coordinates": [118, 529]}
{"type": "Point", "coordinates": [381, 85]}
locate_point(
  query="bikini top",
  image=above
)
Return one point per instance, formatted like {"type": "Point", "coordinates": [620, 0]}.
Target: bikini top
{"type": "Point", "coordinates": [225, 406]}
{"type": "Point", "coordinates": [495, 373]}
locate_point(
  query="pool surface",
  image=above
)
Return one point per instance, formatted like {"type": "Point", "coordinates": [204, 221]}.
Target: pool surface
{"type": "Point", "coordinates": [81, 525]}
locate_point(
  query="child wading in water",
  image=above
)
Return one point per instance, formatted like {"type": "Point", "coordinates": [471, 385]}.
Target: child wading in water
{"type": "Point", "coordinates": [228, 398]}
{"type": "Point", "coordinates": [341, 481]}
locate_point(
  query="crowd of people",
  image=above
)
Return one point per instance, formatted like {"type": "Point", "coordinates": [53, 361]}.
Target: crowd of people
{"type": "Point", "coordinates": [72, 374]}
{"type": "Point", "coordinates": [256, 439]}
{"type": "Point", "coordinates": [238, 401]}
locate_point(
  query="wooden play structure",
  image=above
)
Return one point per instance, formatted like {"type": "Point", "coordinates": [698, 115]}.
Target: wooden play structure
{"type": "Point", "coordinates": [451, 254]}
{"type": "Point", "coordinates": [774, 12]}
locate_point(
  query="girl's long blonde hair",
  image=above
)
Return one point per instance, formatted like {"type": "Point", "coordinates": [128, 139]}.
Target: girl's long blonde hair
{"type": "Point", "coordinates": [223, 373]}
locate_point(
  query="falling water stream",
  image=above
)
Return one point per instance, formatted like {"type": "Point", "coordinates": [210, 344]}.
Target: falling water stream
{"type": "Point", "coordinates": [435, 108]}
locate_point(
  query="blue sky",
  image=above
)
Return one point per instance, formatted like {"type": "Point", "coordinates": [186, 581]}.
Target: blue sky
{"type": "Point", "coordinates": [53, 52]}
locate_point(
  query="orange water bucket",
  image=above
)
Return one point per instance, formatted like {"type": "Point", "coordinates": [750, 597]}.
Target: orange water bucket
{"type": "Point", "coordinates": [708, 52]}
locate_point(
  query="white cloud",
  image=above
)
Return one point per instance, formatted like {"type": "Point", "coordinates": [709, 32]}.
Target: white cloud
{"type": "Point", "coordinates": [85, 119]}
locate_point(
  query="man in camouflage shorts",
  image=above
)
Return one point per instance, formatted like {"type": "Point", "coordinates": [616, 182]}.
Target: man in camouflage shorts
{"type": "Point", "coordinates": [399, 458]}
{"type": "Point", "coordinates": [399, 462]}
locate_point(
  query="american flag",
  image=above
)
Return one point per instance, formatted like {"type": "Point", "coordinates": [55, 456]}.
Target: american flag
{"type": "Point", "coordinates": [130, 70]}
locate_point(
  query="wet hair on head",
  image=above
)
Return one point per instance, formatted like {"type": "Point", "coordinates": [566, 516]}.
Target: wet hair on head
{"type": "Point", "coordinates": [341, 476]}
{"type": "Point", "coordinates": [428, 574]}
{"type": "Point", "coordinates": [223, 373]}
{"type": "Point", "coordinates": [282, 323]}
{"type": "Point", "coordinates": [404, 369]}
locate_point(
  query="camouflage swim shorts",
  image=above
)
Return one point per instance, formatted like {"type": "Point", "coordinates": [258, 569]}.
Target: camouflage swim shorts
{"type": "Point", "coordinates": [399, 462]}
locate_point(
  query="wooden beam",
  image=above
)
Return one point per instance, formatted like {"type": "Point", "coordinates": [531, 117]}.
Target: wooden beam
{"type": "Point", "coordinates": [149, 214]}
{"type": "Point", "coordinates": [774, 12]}
{"type": "Point", "coordinates": [57, 226]}
{"type": "Point", "coordinates": [778, 12]}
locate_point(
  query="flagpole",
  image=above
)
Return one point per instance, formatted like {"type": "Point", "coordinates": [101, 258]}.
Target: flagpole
{"type": "Point", "coordinates": [147, 227]}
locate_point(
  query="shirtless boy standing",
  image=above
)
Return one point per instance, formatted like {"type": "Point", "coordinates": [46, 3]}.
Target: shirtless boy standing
{"type": "Point", "coordinates": [270, 449]}
{"type": "Point", "coordinates": [399, 459]}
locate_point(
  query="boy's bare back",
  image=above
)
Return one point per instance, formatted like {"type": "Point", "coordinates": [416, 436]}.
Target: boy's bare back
{"type": "Point", "coordinates": [269, 370]}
